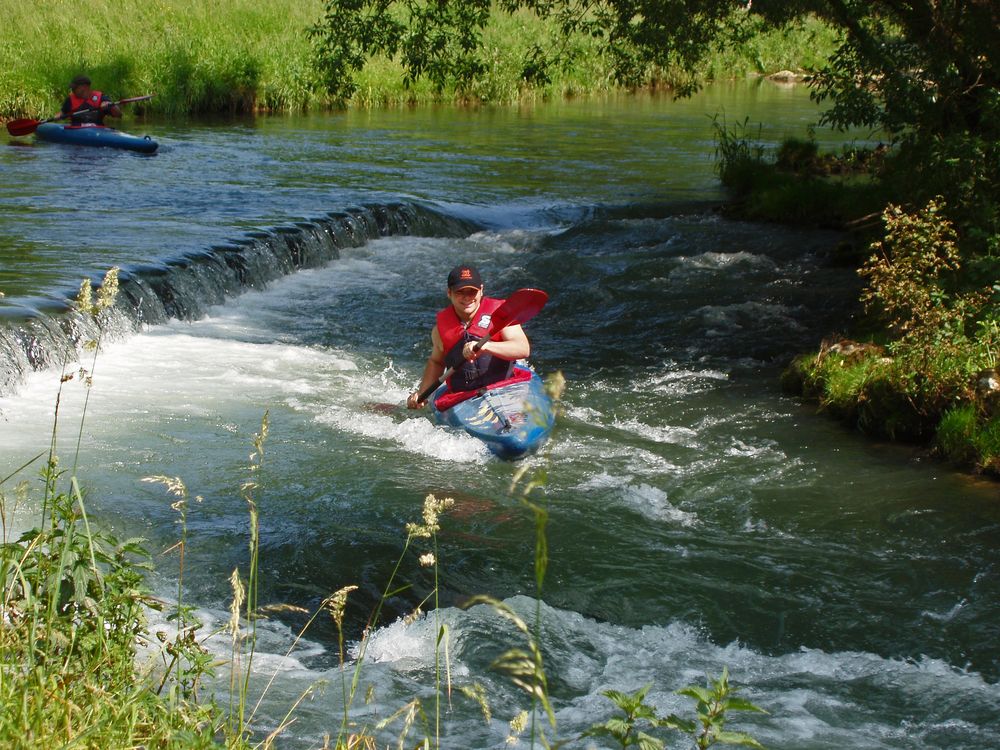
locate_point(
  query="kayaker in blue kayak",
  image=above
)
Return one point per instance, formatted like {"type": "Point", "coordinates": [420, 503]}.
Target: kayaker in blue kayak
{"type": "Point", "coordinates": [87, 105]}
{"type": "Point", "coordinates": [457, 329]}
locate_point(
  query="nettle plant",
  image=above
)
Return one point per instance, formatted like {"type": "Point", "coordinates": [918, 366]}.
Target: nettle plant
{"type": "Point", "coordinates": [714, 702]}
{"type": "Point", "coordinates": [911, 277]}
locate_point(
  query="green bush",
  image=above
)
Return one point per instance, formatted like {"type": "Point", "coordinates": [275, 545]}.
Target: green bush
{"type": "Point", "coordinates": [969, 439]}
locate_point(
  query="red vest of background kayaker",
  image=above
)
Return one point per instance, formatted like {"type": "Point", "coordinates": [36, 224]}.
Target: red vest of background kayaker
{"type": "Point", "coordinates": [93, 114]}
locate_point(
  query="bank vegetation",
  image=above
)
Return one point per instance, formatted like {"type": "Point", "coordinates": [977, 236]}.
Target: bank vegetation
{"type": "Point", "coordinates": [246, 56]}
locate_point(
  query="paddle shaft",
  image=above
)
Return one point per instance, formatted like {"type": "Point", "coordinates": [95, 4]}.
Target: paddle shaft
{"type": "Point", "coordinates": [90, 108]}
{"type": "Point", "coordinates": [448, 372]}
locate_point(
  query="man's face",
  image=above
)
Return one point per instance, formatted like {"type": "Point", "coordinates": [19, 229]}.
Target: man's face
{"type": "Point", "coordinates": [465, 300]}
{"type": "Point", "coordinates": [82, 91]}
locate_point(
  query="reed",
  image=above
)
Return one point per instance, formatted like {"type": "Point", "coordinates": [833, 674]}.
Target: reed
{"type": "Point", "coordinates": [72, 612]}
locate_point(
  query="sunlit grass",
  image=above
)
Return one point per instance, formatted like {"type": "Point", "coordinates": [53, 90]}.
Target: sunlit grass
{"type": "Point", "coordinates": [197, 57]}
{"type": "Point", "coordinates": [256, 55]}
{"type": "Point", "coordinates": [968, 438]}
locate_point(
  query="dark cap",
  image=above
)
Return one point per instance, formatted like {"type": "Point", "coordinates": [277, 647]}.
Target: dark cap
{"type": "Point", "coordinates": [463, 276]}
{"type": "Point", "coordinates": [79, 81]}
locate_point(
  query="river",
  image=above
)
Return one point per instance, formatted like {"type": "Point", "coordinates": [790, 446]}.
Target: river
{"type": "Point", "coordinates": [698, 517]}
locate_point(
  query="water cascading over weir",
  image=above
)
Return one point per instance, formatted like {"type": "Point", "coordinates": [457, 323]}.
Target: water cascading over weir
{"type": "Point", "coordinates": [34, 338]}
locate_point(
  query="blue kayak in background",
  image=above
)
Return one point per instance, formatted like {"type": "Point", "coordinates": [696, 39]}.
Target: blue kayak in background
{"type": "Point", "coordinates": [513, 417]}
{"type": "Point", "coordinates": [95, 135]}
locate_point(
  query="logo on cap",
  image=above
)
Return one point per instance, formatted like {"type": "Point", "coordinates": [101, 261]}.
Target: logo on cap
{"type": "Point", "coordinates": [464, 276]}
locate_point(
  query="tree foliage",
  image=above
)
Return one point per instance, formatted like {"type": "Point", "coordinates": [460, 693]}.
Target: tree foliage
{"type": "Point", "coordinates": [930, 64]}
{"type": "Point", "coordinates": [926, 72]}
{"type": "Point", "coordinates": [442, 39]}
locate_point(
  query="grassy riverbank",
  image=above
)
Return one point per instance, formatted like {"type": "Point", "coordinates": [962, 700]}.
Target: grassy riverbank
{"type": "Point", "coordinates": [920, 364]}
{"type": "Point", "coordinates": [256, 55]}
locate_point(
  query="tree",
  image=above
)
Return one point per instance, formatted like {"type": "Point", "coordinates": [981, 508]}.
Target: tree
{"type": "Point", "coordinates": [441, 39]}
{"type": "Point", "coordinates": [903, 63]}
{"type": "Point", "coordinates": [927, 72]}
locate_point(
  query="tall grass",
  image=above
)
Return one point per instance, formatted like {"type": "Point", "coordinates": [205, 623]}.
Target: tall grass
{"type": "Point", "coordinates": [255, 55]}
{"type": "Point", "coordinates": [72, 613]}
{"type": "Point", "coordinates": [214, 56]}
{"type": "Point", "coordinates": [803, 46]}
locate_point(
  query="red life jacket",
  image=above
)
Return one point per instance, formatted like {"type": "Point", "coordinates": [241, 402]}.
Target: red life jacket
{"type": "Point", "coordinates": [91, 106]}
{"type": "Point", "coordinates": [485, 369]}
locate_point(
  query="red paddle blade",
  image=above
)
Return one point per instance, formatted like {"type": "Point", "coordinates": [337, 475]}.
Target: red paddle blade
{"type": "Point", "coordinates": [22, 127]}
{"type": "Point", "coordinates": [521, 306]}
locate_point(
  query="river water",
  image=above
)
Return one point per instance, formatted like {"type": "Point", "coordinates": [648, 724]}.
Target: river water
{"type": "Point", "coordinates": [698, 517]}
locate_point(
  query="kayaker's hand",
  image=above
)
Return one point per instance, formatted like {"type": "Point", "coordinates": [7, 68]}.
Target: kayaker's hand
{"type": "Point", "coordinates": [413, 403]}
{"type": "Point", "coordinates": [469, 350]}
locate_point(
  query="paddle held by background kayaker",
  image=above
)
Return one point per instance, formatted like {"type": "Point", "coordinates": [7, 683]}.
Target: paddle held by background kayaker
{"type": "Point", "coordinates": [453, 340]}
{"type": "Point", "coordinates": [87, 105]}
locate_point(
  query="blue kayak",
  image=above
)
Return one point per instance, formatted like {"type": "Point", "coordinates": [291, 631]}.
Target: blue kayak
{"type": "Point", "coordinates": [95, 135]}
{"type": "Point", "coordinates": [513, 417]}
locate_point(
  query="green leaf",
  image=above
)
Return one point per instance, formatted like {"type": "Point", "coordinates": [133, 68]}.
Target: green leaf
{"type": "Point", "coordinates": [630, 704]}
{"type": "Point", "coordinates": [614, 727]}
{"type": "Point", "coordinates": [737, 738]}
{"type": "Point", "coordinates": [688, 726]}
{"type": "Point", "coordinates": [742, 704]}
{"type": "Point", "coordinates": [703, 695]}
{"type": "Point", "coordinates": [618, 698]}
{"type": "Point", "coordinates": [648, 742]}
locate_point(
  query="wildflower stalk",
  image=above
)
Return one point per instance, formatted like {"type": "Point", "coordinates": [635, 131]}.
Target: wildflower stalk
{"type": "Point", "coordinates": [176, 487]}
{"type": "Point", "coordinates": [555, 385]}
{"type": "Point", "coordinates": [105, 301]}
{"type": "Point", "coordinates": [432, 509]}
{"type": "Point", "coordinates": [363, 647]}
{"type": "Point", "coordinates": [248, 491]}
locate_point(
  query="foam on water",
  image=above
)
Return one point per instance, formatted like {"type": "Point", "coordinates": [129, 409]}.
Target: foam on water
{"type": "Point", "coordinates": [672, 380]}
{"type": "Point", "coordinates": [673, 435]}
{"type": "Point", "coordinates": [720, 320]}
{"type": "Point", "coordinates": [815, 700]}
{"type": "Point", "coordinates": [653, 503]}
{"type": "Point", "coordinates": [735, 264]}
{"type": "Point", "coordinates": [416, 435]}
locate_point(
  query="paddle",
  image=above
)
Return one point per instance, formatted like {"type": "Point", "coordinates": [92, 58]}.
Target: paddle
{"type": "Point", "coordinates": [27, 126]}
{"type": "Point", "coordinates": [521, 306]}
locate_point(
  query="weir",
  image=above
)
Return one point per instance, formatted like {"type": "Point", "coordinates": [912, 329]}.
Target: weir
{"type": "Point", "coordinates": [36, 335]}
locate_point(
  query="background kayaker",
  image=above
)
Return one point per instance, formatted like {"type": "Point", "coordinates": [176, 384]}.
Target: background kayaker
{"type": "Point", "coordinates": [455, 333]}
{"type": "Point", "coordinates": [87, 105]}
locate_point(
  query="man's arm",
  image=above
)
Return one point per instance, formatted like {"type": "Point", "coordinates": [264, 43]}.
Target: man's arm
{"type": "Point", "coordinates": [109, 107]}
{"type": "Point", "coordinates": [432, 370]}
{"type": "Point", "coordinates": [512, 344]}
